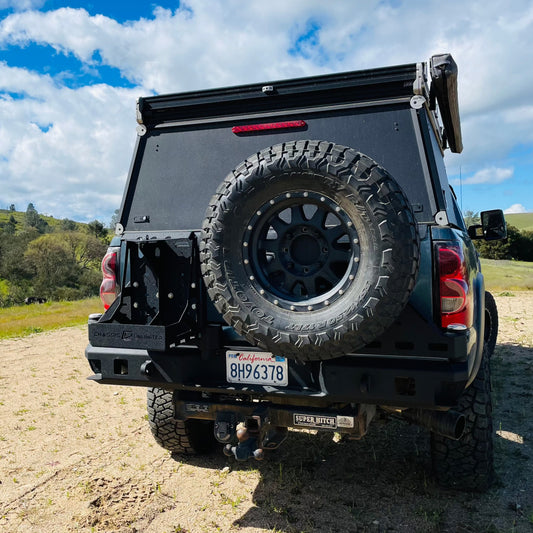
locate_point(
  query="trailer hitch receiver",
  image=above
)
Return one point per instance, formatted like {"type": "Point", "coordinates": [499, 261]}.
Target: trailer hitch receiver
{"type": "Point", "coordinates": [254, 435]}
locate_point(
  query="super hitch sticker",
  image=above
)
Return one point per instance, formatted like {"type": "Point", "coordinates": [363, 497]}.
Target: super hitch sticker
{"type": "Point", "coordinates": [314, 421]}
{"type": "Point", "coordinates": [323, 422]}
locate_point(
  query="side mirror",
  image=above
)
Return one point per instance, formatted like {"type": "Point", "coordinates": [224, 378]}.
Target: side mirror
{"type": "Point", "coordinates": [492, 228]}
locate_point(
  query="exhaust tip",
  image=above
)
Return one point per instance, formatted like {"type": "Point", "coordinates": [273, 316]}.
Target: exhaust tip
{"type": "Point", "coordinates": [460, 426]}
{"type": "Point", "coordinates": [450, 424]}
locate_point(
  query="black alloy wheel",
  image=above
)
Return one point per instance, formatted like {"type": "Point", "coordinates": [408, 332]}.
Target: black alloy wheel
{"type": "Point", "coordinates": [301, 250]}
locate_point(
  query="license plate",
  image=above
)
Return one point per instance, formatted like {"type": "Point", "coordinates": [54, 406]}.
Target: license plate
{"type": "Point", "coordinates": [256, 368]}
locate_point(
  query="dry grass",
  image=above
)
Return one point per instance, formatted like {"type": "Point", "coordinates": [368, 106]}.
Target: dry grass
{"type": "Point", "coordinates": [501, 275]}
{"type": "Point", "coordinates": [26, 319]}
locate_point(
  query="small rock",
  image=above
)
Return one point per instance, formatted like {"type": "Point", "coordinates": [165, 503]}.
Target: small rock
{"type": "Point", "coordinates": [225, 470]}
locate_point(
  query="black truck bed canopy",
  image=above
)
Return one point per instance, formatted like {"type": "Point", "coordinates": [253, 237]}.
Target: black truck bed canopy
{"type": "Point", "coordinates": [379, 84]}
{"type": "Point", "coordinates": [364, 85]}
{"type": "Point", "coordinates": [187, 141]}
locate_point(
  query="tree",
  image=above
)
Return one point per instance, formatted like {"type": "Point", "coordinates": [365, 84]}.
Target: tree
{"type": "Point", "coordinates": [31, 217]}
{"type": "Point", "coordinates": [506, 249]}
{"type": "Point", "coordinates": [13, 267]}
{"type": "Point", "coordinates": [10, 226]}
{"type": "Point", "coordinates": [97, 229]}
{"type": "Point", "coordinates": [521, 248]}
{"type": "Point", "coordinates": [33, 220]}
{"type": "Point", "coordinates": [9, 229]}
{"type": "Point", "coordinates": [68, 225]}
{"type": "Point", "coordinates": [114, 220]}
{"type": "Point", "coordinates": [51, 264]}
{"type": "Point", "coordinates": [12, 207]}
{"type": "Point", "coordinates": [471, 218]}
{"type": "Point", "coordinates": [65, 265]}
{"type": "Point", "coordinates": [86, 250]}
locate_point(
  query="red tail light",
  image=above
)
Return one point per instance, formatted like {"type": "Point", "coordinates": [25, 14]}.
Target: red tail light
{"type": "Point", "coordinates": [109, 288]}
{"type": "Point", "coordinates": [454, 286]}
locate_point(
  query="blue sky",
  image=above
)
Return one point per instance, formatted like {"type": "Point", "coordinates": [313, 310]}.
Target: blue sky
{"type": "Point", "coordinates": [70, 73]}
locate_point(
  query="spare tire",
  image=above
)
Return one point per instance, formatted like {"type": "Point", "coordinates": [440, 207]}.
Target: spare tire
{"type": "Point", "coordinates": [309, 249]}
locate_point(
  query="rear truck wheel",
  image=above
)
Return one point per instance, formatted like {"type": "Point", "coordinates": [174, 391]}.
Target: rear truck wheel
{"type": "Point", "coordinates": [491, 323]}
{"type": "Point", "coordinates": [309, 250]}
{"type": "Point", "coordinates": [467, 464]}
{"type": "Point", "coordinates": [189, 437]}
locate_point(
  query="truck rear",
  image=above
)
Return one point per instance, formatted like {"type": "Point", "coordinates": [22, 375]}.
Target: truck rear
{"type": "Point", "coordinates": [290, 254]}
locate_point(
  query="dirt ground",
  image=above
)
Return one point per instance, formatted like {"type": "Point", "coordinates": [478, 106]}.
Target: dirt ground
{"type": "Point", "coordinates": [76, 456]}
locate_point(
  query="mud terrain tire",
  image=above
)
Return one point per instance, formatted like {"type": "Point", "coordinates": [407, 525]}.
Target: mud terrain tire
{"type": "Point", "coordinates": [188, 437]}
{"type": "Point", "coordinates": [491, 323]}
{"type": "Point", "coordinates": [467, 464]}
{"type": "Point", "coordinates": [309, 249]}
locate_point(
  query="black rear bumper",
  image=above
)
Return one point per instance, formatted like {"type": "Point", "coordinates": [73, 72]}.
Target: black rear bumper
{"type": "Point", "coordinates": [367, 379]}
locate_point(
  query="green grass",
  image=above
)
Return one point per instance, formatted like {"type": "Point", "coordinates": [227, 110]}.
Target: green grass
{"type": "Point", "coordinates": [19, 216]}
{"type": "Point", "coordinates": [27, 319]}
{"type": "Point", "coordinates": [522, 221]}
{"type": "Point", "coordinates": [503, 275]}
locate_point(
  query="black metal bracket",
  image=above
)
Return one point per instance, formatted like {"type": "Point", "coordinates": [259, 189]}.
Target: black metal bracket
{"type": "Point", "coordinates": [161, 303]}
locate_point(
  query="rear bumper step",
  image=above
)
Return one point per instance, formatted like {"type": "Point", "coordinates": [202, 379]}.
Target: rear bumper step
{"type": "Point", "coordinates": [352, 379]}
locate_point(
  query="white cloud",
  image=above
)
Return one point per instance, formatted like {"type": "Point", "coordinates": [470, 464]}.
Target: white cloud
{"type": "Point", "coordinates": [515, 208]}
{"type": "Point", "coordinates": [65, 150]}
{"type": "Point", "coordinates": [227, 42]}
{"type": "Point", "coordinates": [216, 43]}
{"type": "Point", "coordinates": [220, 42]}
{"type": "Point", "coordinates": [491, 175]}
{"type": "Point", "coordinates": [21, 5]}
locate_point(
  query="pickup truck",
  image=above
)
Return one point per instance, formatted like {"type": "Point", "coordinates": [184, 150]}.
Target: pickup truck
{"type": "Point", "coordinates": [290, 254]}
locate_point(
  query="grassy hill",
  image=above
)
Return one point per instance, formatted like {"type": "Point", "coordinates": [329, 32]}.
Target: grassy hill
{"type": "Point", "coordinates": [54, 223]}
{"type": "Point", "coordinates": [503, 275]}
{"type": "Point", "coordinates": [23, 320]}
{"type": "Point", "coordinates": [522, 221]}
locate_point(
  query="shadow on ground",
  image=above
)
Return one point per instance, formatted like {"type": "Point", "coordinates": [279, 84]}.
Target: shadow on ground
{"type": "Point", "coordinates": [384, 482]}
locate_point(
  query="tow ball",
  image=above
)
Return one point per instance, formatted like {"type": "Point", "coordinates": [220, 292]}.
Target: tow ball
{"type": "Point", "coordinates": [254, 436]}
